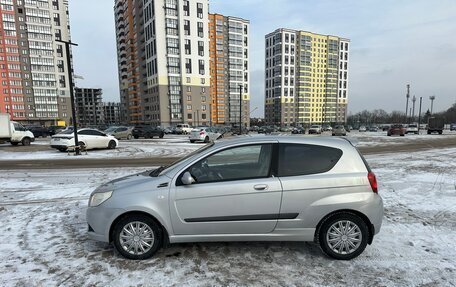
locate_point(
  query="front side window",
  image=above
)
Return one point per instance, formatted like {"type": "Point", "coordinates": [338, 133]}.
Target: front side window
{"type": "Point", "coordinates": [303, 159]}
{"type": "Point", "coordinates": [245, 162]}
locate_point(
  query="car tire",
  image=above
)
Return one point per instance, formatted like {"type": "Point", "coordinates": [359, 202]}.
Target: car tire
{"type": "Point", "coordinates": [62, 149]}
{"type": "Point", "coordinates": [192, 141]}
{"type": "Point", "coordinates": [151, 234]}
{"type": "Point", "coordinates": [26, 141]}
{"type": "Point", "coordinates": [161, 135]}
{"type": "Point", "coordinates": [14, 143]}
{"type": "Point", "coordinates": [389, 135]}
{"type": "Point", "coordinates": [112, 144]}
{"type": "Point", "coordinates": [402, 135]}
{"type": "Point", "coordinates": [136, 137]}
{"type": "Point", "coordinates": [129, 137]}
{"type": "Point", "coordinates": [206, 139]}
{"type": "Point", "coordinates": [333, 234]}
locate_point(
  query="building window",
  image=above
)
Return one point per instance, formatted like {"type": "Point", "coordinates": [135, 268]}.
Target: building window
{"type": "Point", "coordinates": [200, 30]}
{"type": "Point", "coordinates": [189, 107]}
{"type": "Point", "coordinates": [201, 48]}
{"type": "Point", "coordinates": [188, 47]}
{"type": "Point", "coordinates": [199, 10]}
{"type": "Point", "coordinates": [188, 66]}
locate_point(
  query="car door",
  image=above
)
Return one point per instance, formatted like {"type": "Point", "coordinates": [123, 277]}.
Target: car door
{"type": "Point", "coordinates": [234, 193]}
{"type": "Point", "coordinates": [303, 172]}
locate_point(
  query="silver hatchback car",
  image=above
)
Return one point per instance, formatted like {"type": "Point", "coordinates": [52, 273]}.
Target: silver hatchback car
{"type": "Point", "coordinates": [273, 188]}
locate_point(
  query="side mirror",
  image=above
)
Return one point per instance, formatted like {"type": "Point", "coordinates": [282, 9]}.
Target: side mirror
{"type": "Point", "coordinates": [187, 178]}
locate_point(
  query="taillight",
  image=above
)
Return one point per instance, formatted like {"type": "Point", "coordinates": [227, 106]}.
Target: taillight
{"type": "Point", "coordinates": [372, 181]}
{"type": "Point", "coordinates": [201, 133]}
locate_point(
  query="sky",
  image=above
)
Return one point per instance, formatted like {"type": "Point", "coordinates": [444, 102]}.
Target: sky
{"type": "Point", "coordinates": [393, 43]}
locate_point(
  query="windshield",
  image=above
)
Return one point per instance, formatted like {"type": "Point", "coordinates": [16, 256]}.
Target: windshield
{"type": "Point", "coordinates": [111, 129]}
{"type": "Point", "coordinates": [164, 169]}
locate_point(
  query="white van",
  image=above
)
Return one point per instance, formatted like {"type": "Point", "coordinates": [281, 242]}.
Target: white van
{"type": "Point", "coordinates": [14, 132]}
{"type": "Point", "coordinates": [183, 129]}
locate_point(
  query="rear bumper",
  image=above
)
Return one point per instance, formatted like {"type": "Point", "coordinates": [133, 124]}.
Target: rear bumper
{"type": "Point", "coordinates": [59, 146]}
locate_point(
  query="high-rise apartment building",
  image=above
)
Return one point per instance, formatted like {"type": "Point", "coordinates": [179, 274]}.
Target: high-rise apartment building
{"type": "Point", "coordinates": [163, 59]}
{"type": "Point", "coordinates": [111, 112]}
{"type": "Point", "coordinates": [306, 78]}
{"type": "Point", "coordinates": [89, 106]}
{"type": "Point", "coordinates": [229, 65]}
{"type": "Point", "coordinates": [34, 85]}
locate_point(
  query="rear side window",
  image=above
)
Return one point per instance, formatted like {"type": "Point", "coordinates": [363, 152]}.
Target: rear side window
{"type": "Point", "coordinates": [303, 159]}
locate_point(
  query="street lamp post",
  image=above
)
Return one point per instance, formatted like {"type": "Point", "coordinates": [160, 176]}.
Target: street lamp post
{"type": "Point", "coordinates": [240, 109]}
{"type": "Point", "coordinates": [406, 105]}
{"type": "Point", "coordinates": [70, 80]}
{"type": "Point", "coordinates": [419, 115]}
{"type": "Point", "coordinates": [413, 111]}
{"type": "Point", "coordinates": [432, 98]}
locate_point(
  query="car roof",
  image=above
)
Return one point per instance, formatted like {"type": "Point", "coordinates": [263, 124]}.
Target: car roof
{"type": "Point", "coordinates": [315, 140]}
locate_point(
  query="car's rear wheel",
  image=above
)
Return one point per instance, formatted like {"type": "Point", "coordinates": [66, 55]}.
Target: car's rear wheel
{"type": "Point", "coordinates": [129, 137]}
{"type": "Point", "coordinates": [112, 144]}
{"type": "Point", "coordinates": [192, 141]}
{"type": "Point", "coordinates": [136, 137]}
{"type": "Point", "coordinates": [26, 141]}
{"type": "Point", "coordinates": [343, 236]}
{"type": "Point", "coordinates": [161, 135]}
{"type": "Point", "coordinates": [137, 237]}
{"type": "Point", "coordinates": [206, 139]}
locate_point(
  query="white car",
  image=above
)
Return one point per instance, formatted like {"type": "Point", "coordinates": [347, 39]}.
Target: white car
{"type": "Point", "coordinates": [412, 128]}
{"type": "Point", "coordinates": [87, 139]}
{"type": "Point", "coordinates": [315, 129]}
{"type": "Point", "coordinates": [204, 134]}
{"type": "Point", "coordinates": [183, 129]}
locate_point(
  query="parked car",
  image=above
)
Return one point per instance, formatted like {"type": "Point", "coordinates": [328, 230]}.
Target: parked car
{"type": "Point", "coordinates": [373, 129]}
{"type": "Point", "coordinates": [412, 128]}
{"type": "Point", "coordinates": [14, 132]}
{"type": "Point", "coordinates": [87, 139]}
{"type": "Point", "coordinates": [339, 130]}
{"type": "Point", "coordinates": [244, 189]}
{"type": "Point", "coordinates": [203, 134]}
{"type": "Point", "coordinates": [326, 128]}
{"type": "Point", "coordinates": [362, 129]}
{"type": "Point", "coordinates": [315, 129]}
{"type": "Point", "coordinates": [453, 127]}
{"type": "Point", "coordinates": [52, 130]}
{"type": "Point", "coordinates": [265, 130]}
{"type": "Point", "coordinates": [183, 129]}
{"type": "Point", "coordinates": [38, 131]}
{"type": "Point", "coordinates": [298, 130]}
{"type": "Point", "coordinates": [120, 132]}
{"type": "Point", "coordinates": [396, 129]}
{"type": "Point", "coordinates": [147, 132]}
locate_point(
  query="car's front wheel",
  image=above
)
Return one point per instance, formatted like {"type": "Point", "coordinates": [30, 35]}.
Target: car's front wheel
{"type": "Point", "coordinates": [137, 237]}
{"type": "Point", "coordinates": [26, 141]}
{"type": "Point", "coordinates": [343, 236]}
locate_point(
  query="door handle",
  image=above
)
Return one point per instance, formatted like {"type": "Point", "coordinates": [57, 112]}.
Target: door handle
{"type": "Point", "coordinates": [260, 186]}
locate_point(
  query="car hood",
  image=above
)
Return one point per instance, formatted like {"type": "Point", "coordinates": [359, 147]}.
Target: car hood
{"type": "Point", "coordinates": [134, 182]}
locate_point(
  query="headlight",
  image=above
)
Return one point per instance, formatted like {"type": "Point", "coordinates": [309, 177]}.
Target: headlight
{"type": "Point", "coordinates": [99, 197]}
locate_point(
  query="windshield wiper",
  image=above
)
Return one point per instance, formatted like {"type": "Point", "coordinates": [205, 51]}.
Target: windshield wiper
{"type": "Point", "coordinates": [157, 171]}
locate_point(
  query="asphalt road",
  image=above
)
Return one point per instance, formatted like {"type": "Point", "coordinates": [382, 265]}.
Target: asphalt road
{"type": "Point", "coordinates": [144, 162]}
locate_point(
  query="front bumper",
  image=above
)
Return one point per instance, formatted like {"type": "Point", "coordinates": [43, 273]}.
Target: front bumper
{"type": "Point", "coordinates": [100, 219]}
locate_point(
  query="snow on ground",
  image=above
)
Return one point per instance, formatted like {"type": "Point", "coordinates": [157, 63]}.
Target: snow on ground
{"type": "Point", "coordinates": [365, 139]}
{"type": "Point", "coordinates": [168, 147]}
{"type": "Point", "coordinates": [43, 239]}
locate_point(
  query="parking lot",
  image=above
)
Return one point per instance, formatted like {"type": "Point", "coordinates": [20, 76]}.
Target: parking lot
{"type": "Point", "coordinates": [44, 242]}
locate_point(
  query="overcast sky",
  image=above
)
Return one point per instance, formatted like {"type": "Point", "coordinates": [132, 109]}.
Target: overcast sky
{"type": "Point", "coordinates": [393, 43]}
